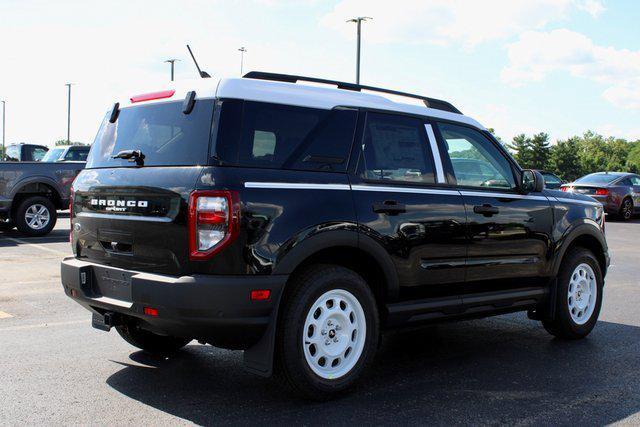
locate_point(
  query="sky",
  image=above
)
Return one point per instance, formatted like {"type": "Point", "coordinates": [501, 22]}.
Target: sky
{"type": "Point", "coordinates": [518, 66]}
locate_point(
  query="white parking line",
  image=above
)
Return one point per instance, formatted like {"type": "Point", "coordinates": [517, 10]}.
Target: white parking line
{"type": "Point", "coordinates": [4, 315]}
{"type": "Point", "coordinates": [44, 325]}
{"type": "Point", "coordinates": [35, 245]}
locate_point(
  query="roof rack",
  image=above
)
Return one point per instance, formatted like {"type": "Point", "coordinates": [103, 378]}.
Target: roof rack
{"type": "Point", "coordinates": [438, 104]}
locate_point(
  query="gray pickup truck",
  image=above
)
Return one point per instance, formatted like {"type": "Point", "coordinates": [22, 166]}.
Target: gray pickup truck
{"type": "Point", "coordinates": [31, 192]}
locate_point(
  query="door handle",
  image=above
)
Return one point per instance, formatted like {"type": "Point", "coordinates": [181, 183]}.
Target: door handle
{"type": "Point", "coordinates": [486, 210]}
{"type": "Point", "coordinates": [389, 207]}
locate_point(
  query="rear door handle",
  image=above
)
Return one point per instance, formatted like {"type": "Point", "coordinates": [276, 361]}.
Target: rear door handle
{"type": "Point", "coordinates": [390, 207]}
{"type": "Point", "coordinates": [486, 210]}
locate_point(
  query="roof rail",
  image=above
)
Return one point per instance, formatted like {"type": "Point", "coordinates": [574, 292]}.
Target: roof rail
{"type": "Point", "coordinates": [438, 104]}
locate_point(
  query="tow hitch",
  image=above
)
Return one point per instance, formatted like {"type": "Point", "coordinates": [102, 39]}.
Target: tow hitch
{"type": "Point", "coordinates": [105, 321]}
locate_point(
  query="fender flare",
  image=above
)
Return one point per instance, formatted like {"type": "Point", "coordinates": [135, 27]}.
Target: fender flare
{"type": "Point", "coordinates": [314, 243]}
{"type": "Point", "coordinates": [40, 179]}
{"type": "Point", "coordinates": [583, 228]}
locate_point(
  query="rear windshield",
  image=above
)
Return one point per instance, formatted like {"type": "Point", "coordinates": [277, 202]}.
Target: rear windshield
{"type": "Point", "coordinates": [165, 135]}
{"type": "Point", "coordinates": [598, 178]}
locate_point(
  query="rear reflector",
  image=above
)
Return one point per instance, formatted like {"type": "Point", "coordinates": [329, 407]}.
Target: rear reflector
{"type": "Point", "coordinates": [153, 95]}
{"type": "Point", "coordinates": [260, 294]}
{"type": "Point", "coordinates": [149, 311]}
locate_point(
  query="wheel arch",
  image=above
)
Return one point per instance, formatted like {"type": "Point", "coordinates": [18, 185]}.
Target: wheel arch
{"type": "Point", "coordinates": [349, 249]}
{"type": "Point", "coordinates": [585, 235]}
{"type": "Point", "coordinates": [37, 186]}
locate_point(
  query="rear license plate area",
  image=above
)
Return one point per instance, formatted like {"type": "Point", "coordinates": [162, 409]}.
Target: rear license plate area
{"type": "Point", "coordinates": [112, 283]}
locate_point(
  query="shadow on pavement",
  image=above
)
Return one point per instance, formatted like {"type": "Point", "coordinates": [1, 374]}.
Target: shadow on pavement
{"type": "Point", "coordinates": [56, 236]}
{"type": "Point", "coordinates": [498, 370]}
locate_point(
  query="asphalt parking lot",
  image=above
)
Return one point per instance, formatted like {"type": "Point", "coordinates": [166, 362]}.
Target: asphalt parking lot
{"type": "Point", "coordinates": [56, 369]}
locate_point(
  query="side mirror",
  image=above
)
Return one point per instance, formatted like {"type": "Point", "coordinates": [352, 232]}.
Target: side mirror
{"type": "Point", "coordinates": [532, 181]}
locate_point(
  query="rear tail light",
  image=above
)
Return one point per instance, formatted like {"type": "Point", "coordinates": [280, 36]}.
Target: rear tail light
{"type": "Point", "coordinates": [213, 222]}
{"type": "Point", "coordinates": [564, 188]}
{"type": "Point", "coordinates": [602, 192]}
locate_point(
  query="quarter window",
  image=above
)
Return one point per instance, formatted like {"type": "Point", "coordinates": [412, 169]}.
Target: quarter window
{"type": "Point", "coordinates": [265, 135]}
{"type": "Point", "coordinates": [394, 148]}
{"type": "Point", "coordinates": [476, 161]}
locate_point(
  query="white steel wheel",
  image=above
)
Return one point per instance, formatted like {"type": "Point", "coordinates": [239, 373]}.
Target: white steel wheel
{"type": "Point", "coordinates": [334, 334]}
{"type": "Point", "coordinates": [37, 216]}
{"type": "Point", "coordinates": [583, 293]}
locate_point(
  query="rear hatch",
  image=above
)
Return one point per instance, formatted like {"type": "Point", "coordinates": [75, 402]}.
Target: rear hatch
{"type": "Point", "coordinates": [134, 215]}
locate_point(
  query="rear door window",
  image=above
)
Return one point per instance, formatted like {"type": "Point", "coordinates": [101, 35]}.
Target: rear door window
{"type": "Point", "coordinates": [165, 135]}
{"type": "Point", "coordinates": [265, 135]}
{"type": "Point", "coordinates": [395, 149]}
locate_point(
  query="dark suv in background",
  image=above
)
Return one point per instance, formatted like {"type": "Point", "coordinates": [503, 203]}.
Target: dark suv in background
{"type": "Point", "coordinates": [298, 222]}
{"type": "Point", "coordinates": [619, 192]}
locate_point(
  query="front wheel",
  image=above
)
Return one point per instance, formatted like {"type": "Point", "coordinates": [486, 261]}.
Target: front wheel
{"type": "Point", "coordinates": [328, 331]}
{"type": "Point", "coordinates": [579, 296]}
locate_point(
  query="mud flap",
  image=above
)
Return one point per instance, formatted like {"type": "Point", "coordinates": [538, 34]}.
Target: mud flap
{"type": "Point", "coordinates": [258, 359]}
{"type": "Point", "coordinates": [546, 310]}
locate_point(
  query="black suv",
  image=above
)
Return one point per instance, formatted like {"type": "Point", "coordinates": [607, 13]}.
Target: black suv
{"type": "Point", "coordinates": [297, 222]}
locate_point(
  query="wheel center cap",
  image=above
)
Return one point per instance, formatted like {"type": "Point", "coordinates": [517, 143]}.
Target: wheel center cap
{"type": "Point", "coordinates": [332, 333]}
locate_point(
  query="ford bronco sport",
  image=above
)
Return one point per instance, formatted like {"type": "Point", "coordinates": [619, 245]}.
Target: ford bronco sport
{"type": "Point", "coordinates": [296, 222]}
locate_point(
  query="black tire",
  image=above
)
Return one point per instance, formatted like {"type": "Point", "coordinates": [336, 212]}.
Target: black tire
{"type": "Point", "coordinates": [150, 342]}
{"type": "Point", "coordinates": [302, 293]}
{"type": "Point", "coordinates": [563, 325]}
{"type": "Point", "coordinates": [626, 209]}
{"type": "Point", "coordinates": [26, 205]}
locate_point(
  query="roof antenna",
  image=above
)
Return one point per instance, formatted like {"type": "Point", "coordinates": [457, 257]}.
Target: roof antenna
{"type": "Point", "coordinates": [203, 74]}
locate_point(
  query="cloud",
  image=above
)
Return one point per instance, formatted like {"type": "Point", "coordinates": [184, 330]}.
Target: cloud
{"type": "Point", "coordinates": [537, 54]}
{"type": "Point", "coordinates": [444, 22]}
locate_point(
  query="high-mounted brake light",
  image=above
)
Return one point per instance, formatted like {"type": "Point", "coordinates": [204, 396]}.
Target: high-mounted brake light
{"type": "Point", "coordinates": [153, 95]}
{"type": "Point", "coordinates": [602, 192]}
{"type": "Point", "coordinates": [214, 220]}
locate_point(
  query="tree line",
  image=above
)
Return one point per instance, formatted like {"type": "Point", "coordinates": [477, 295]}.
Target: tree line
{"type": "Point", "coordinates": [576, 156]}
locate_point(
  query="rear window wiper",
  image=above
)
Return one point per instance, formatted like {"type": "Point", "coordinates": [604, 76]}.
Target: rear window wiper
{"type": "Point", "coordinates": [131, 155]}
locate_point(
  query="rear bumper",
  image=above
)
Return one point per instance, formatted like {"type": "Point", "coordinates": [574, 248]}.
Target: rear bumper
{"type": "Point", "coordinates": [215, 309]}
{"type": "Point", "coordinates": [610, 205]}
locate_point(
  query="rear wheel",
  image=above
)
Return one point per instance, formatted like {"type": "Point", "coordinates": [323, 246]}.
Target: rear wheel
{"type": "Point", "coordinates": [579, 296]}
{"type": "Point", "coordinates": [36, 216]}
{"type": "Point", "coordinates": [328, 332]}
{"type": "Point", "coordinates": [150, 342]}
{"type": "Point", "coordinates": [626, 210]}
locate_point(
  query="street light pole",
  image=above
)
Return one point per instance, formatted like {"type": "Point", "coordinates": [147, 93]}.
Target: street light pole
{"type": "Point", "coordinates": [358, 21]}
{"type": "Point", "coordinates": [172, 62]}
{"type": "Point", "coordinates": [4, 125]}
{"type": "Point", "coordinates": [68, 85]}
{"type": "Point", "coordinates": [242, 51]}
